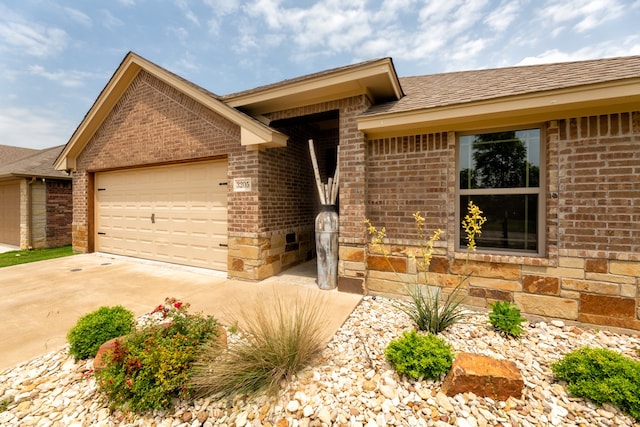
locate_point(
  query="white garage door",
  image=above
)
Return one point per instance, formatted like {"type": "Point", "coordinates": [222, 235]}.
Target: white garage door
{"type": "Point", "coordinates": [172, 213]}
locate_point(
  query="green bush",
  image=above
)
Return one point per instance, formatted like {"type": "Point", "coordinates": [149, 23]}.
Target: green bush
{"type": "Point", "coordinates": [276, 341]}
{"type": "Point", "coordinates": [152, 365]}
{"type": "Point", "coordinates": [505, 317]}
{"type": "Point", "coordinates": [95, 328]}
{"type": "Point", "coordinates": [602, 376]}
{"type": "Point", "coordinates": [419, 356]}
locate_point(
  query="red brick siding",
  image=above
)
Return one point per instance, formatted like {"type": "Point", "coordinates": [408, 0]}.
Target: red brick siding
{"type": "Point", "coordinates": [591, 269]}
{"type": "Point", "coordinates": [352, 160]}
{"type": "Point", "coordinates": [406, 175]}
{"type": "Point", "coordinates": [59, 209]}
{"type": "Point", "coordinates": [152, 124]}
{"type": "Point", "coordinates": [599, 202]}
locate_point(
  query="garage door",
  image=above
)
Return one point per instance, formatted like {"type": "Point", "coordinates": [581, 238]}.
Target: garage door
{"type": "Point", "coordinates": [174, 213]}
{"type": "Point", "coordinates": [10, 213]}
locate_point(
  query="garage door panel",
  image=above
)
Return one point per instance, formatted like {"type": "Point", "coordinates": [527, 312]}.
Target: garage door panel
{"type": "Point", "coordinates": [186, 203]}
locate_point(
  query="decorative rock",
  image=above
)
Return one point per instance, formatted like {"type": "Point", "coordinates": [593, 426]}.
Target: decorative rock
{"type": "Point", "coordinates": [53, 390]}
{"type": "Point", "coordinates": [324, 416]}
{"type": "Point", "coordinates": [293, 406]}
{"type": "Point", "coordinates": [484, 376]}
{"type": "Point", "coordinates": [368, 386]}
{"type": "Point", "coordinates": [307, 411]}
{"type": "Point", "coordinates": [108, 347]}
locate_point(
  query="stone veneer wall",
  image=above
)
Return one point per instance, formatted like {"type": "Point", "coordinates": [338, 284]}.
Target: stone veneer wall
{"type": "Point", "coordinates": [591, 270]}
{"type": "Point", "coordinates": [59, 213]}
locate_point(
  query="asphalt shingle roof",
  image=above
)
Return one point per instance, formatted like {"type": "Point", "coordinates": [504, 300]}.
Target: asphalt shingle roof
{"type": "Point", "coordinates": [39, 164]}
{"type": "Point", "coordinates": [10, 154]}
{"type": "Point", "coordinates": [439, 90]}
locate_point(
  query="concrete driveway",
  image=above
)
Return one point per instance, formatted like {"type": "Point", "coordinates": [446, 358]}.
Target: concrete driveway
{"type": "Point", "coordinates": [41, 301]}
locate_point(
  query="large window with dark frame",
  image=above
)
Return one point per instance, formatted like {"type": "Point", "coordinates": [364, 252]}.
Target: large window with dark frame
{"type": "Point", "coordinates": [500, 173]}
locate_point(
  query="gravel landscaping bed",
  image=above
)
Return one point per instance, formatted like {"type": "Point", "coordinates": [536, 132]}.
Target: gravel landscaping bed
{"type": "Point", "coordinates": [351, 384]}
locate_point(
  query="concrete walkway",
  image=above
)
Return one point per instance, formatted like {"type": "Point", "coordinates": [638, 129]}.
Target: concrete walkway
{"type": "Point", "coordinates": [41, 301]}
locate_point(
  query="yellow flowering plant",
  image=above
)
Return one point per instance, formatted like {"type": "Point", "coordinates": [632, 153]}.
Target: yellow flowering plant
{"type": "Point", "coordinates": [425, 307]}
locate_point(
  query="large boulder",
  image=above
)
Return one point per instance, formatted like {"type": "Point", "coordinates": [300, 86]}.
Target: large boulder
{"type": "Point", "coordinates": [483, 376]}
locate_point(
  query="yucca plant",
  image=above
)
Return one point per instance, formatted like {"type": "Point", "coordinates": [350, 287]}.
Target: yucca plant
{"type": "Point", "coordinates": [428, 310]}
{"type": "Point", "coordinates": [276, 341]}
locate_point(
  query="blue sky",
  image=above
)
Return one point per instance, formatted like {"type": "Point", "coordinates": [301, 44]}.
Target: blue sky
{"type": "Point", "coordinates": [57, 55]}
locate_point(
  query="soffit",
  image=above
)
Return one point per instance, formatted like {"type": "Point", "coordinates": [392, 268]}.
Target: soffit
{"type": "Point", "coordinates": [376, 79]}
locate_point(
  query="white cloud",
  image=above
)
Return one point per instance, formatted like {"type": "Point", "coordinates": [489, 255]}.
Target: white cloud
{"type": "Point", "coordinates": [109, 20]}
{"type": "Point", "coordinates": [503, 16]}
{"type": "Point", "coordinates": [628, 46]}
{"type": "Point", "coordinates": [183, 5]}
{"type": "Point", "coordinates": [219, 9]}
{"type": "Point", "coordinates": [33, 128]}
{"type": "Point", "coordinates": [32, 38]}
{"type": "Point", "coordinates": [587, 14]}
{"type": "Point", "coordinates": [65, 78]}
{"type": "Point", "coordinates": [79, 17]}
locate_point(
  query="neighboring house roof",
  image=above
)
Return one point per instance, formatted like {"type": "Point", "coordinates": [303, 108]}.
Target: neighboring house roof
{"type": "Point", "coordinates": [9, 154]}
{"type": "Point", "coordinates": [37, 165]}
{"type": "Point", "coordinates": [511, 95]}
{"type": "Point", "coordinates": [253, 133]}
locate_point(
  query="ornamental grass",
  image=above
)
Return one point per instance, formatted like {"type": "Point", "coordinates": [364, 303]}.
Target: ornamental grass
{"type": "Point", "coordinates": [277, 339]}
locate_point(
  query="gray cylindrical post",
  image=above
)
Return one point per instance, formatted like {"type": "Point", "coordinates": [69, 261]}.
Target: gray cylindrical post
{"type": "Point", "coordinates": [327, 226]}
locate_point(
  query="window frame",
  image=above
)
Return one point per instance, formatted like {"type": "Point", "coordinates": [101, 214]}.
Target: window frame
{"type": "Point", "coordinates": [540, 192]}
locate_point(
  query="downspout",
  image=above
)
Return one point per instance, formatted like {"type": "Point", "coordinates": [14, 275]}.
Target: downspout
{"type": "Point", "coordinates": [30, 212]}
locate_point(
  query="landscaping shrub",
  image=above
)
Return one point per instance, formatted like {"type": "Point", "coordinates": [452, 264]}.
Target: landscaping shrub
{"type": "Point", "coordinates": [505, 317]}
{"type": "Point", "coordinates": [95, 328]}
{"type": "Point", "coordinates": [602, 376]}
{"type": "Point", "coordinates": [427, 309]}
{"type": "Point", "coordinates": [277, 340]}
{"type": "Point", "coordinates": [419, 355]}
{"type": "Point", "coordinates": [152, 365]}
{"type": "Point", "coordinates": [430, 312]}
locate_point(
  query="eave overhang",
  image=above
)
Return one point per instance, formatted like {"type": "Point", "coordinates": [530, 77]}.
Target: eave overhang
{"type": "Point", "coordinates": [376, 79]}
{"type": "Point", "coordinates": [254, 135]}
{"type": "Point", "coordinates": [588, 100]}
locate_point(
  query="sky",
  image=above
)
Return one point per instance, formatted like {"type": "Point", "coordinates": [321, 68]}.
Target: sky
{"type": "Point", "coordinates": [57, 55]}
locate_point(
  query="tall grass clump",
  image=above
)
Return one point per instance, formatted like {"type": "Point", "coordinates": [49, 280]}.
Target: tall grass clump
{"type": "Point", "coordinates": [276, 341]}
{"type": "Point", "coordinates": [426, 307]}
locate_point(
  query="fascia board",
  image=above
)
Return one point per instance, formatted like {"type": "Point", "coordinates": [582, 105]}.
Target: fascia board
{"type": "Point", "coordinates": [530, 108]}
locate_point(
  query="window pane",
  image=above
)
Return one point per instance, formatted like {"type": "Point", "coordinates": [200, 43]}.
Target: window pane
{"type": "Point", "coordinates": [512, 221]}
{"type": "Point", "coordinates": [500, 160]}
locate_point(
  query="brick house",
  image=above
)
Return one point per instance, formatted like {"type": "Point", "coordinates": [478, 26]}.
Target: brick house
{"type": "Point", "coordinates": [163, 169]}
{"type": "Point", "coordinates": [35, 199]}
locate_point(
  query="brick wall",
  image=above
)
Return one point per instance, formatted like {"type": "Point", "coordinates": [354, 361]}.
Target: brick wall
{"type": "Point", "coordinates": [153, 124]}
{"type": "Point", "coordinates": [591, 269]}
{"type": "Point", "coordinates": [352, 183]}
{"type": "Point", "coordinates": [59, 213]}
{"type": "Point", "coordinates": [599, 210]}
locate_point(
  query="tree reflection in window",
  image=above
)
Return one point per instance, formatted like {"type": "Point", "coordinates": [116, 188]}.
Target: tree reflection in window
{"type": "Point", "coordinates": [500, 160]}
{"type": "Point", "coordinates": [500, 172]}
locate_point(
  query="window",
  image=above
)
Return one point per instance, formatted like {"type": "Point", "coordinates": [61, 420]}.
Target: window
{"type": "Point", "coordinates": [500, 172]}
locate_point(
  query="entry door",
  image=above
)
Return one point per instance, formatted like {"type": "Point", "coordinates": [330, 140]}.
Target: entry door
{"type": "Point", "coordinates": [172, 213]}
